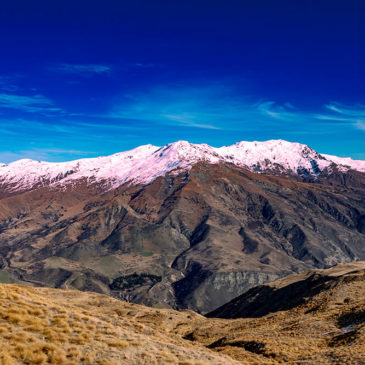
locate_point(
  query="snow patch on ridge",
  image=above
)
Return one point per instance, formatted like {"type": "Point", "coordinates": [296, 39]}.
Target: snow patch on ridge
{"type": "Point", "coordinates": [145, 163]}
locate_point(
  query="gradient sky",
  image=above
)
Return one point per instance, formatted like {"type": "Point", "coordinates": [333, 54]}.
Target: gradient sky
{"type": "Point", "coordinates": [86, 78]}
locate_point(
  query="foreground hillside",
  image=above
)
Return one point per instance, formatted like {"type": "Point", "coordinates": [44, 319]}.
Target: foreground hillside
{"type": "Point", "coordinates": [42, 325]}
{"type": "Point", "coordinates": [55, 326]}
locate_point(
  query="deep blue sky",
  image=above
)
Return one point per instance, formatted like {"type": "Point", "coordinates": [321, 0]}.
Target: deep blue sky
{"type": "Point", "coordinates": [86, 78]}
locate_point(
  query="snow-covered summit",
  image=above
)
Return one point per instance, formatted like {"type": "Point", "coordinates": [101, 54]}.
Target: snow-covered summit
{"type": "Point", "coordinates": [145, 163]}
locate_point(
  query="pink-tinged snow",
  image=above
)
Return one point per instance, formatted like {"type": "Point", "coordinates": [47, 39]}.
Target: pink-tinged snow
{"type": "Point", "coordinates": [347, 162]}
{"type": "Point", "coordinates": [273, 154]}
{"type": "Point", "coordinates": [145, 163]}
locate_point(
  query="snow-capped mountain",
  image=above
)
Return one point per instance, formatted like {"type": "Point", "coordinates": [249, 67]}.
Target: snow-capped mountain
{"type": "Point", "coordinates": [145, 163]}
{"type": "Point", "coordinates": [210, 234]}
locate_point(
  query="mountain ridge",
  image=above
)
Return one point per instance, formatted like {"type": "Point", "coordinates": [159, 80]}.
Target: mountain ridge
{"type": "Point", "coordinates": [145, 163]}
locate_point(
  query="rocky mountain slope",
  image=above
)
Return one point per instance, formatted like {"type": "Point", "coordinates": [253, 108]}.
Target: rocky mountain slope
{"type": "Point", "coordinates": [291, 291]}
{"type": "Point", "coordinates": [42, 325]}
{"type": "Point", "coordinates": [189, 237]}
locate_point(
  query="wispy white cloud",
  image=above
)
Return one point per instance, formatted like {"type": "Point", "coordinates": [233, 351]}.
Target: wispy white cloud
{"type": "Point", "coordinates": [213, 108]}
{"type": "Point", "coordinates": [191, 107]}
{"type": "Point", "coordinates": [83, 70]}
{"type": "Point", "coordinates": [276, 111]}
{"type": "Point", "coordinates": [146, 65]}
{"type": "Point", "coordinates": [340, 115]}
{"type": "Point", "coordinates": [354, 114]}
{"type": "Point", "coordinates": [352, 110]}
{"type": "Point", "coordinates": [187, 120]}
{"type": "Point", "coordinates": [32, 103]}
{"type": "Point", "coordinates": [330, 117]}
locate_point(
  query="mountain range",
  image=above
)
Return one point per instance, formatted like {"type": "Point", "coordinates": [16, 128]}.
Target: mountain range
{"type": "Point", "coordinates": [183, 225]}
{"type": "Point", "coordinates": [145, 163]}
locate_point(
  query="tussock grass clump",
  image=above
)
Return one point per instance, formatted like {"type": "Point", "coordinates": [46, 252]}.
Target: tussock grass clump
{"type": "Point", "coordinates": [118, 343]}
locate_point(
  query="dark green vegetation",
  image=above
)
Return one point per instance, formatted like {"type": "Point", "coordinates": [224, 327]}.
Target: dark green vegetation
{"type": "Point", "coordinates": [134, 280]}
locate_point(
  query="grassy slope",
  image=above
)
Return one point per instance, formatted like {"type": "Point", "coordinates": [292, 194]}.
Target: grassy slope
{"type": "Point", "coordinates": [40, 325]}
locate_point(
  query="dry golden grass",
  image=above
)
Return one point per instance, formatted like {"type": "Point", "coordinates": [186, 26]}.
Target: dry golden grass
{"type": "Point", "coordinates": [51, 326]}
{"type": "Point", "coordinates": [41, 325]}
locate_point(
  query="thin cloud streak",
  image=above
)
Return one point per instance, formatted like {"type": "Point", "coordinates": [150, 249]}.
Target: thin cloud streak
{"type": "Point", "coordinates": [353, 111]}
{"type": "Point", "coordinates": [231, 114]}
{"type": "Point", "coordinates": [190, 107]}
{"type": "Point", "coordinates": [32, 104]}
{"type": "Point", "coordinates": [354, 114]}
{"type": "Point", "coordinates": [342, 116]}
{"type": "Point", "coordinates": [84, 70]}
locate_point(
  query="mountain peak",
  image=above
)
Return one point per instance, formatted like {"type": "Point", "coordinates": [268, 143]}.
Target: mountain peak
{"type": "Point", "coordinates": [181, 144]}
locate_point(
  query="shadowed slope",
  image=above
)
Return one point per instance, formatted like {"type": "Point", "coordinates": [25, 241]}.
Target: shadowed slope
{"type": "Point", "coordinates": [289, 292]}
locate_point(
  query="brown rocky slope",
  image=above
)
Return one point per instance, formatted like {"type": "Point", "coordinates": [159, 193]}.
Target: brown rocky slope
{"type": "Point", "coordinates": [195, 240]}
